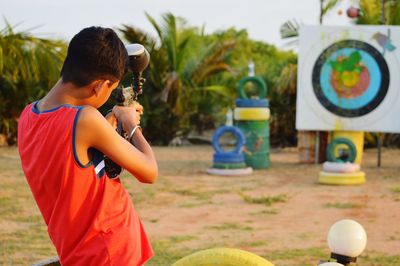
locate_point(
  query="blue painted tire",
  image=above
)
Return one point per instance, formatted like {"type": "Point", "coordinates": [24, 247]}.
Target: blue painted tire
{"type": "Point", "coordinates": [241, 139]}
{"type": "Point", "coordinates": [252, 103]}
{"type": "Point", "coordinates": [228, 157]}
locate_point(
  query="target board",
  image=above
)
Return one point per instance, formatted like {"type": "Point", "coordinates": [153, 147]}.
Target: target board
{"type": "Point", "coordinates": [349, 78]}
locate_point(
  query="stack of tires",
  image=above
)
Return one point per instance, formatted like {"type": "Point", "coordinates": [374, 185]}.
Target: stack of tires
{"type": "Point", "coordinates": [341, 168]}
{"type": "Point", "coordinates": [252, 117]}
{"type": "Point", "coordinates": [229, 162]}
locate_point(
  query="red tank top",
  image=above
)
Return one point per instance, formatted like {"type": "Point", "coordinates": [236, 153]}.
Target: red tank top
{"type": "Point", "coordinates": [90, 217]}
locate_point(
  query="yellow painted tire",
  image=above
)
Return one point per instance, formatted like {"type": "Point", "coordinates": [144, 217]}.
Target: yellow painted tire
{"type": "Point", "coordinates": [222, 257]}
{"type": "Point", "coordinates": [251, 113]}
{"type": "Point", "coordinates": [341, 178]}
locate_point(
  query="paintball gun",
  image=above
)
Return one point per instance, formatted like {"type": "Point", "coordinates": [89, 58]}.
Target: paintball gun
{"type": "Point", "coordinates": [138, 60]}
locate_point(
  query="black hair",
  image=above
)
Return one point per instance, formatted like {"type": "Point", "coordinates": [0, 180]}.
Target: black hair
{"type": "Point", "coordinates": [94, 53]}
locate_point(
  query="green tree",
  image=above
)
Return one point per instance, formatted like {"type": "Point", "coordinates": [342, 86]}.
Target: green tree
{"type": "Point", "coordinates": [180, 76]}
{"type": "Point", "coordinates": [270, 63]}
{"type": "Point", "coordinates": [29, 66]}
{"type": "Point", "coordinates": [372, 12]}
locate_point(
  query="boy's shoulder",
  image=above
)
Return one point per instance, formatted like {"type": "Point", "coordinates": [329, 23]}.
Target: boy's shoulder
{"type": "Point", "coordinates": [89, 115]}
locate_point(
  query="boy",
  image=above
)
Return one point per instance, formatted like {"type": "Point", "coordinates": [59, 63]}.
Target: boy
{"type": "Point", "coordinates": [62, 140]}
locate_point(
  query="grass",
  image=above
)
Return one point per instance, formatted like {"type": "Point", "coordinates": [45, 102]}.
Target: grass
{"type": "Point", "coordinates": [303, 257]}
{"type": "Point", "coordinates": [396, 189]}
{"type": "Point", "coordinates": [230, 226]}
{"type": "Point", "coordinates": [180, 239]}
{"type": "Point", "coordinates": [166, 254]}
{"type": "Point", "coordinates": [24, 239]}
{"type": "Point", "coordinates": [265, 200]}
{"type": "Point", "coordinates": [377, 259]}
{"type": "Point", "coordinates": [342, 205]}
{"type": "Point", "coordinates": [265, 212]}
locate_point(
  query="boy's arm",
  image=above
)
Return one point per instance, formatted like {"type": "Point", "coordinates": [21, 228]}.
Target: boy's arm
{"type": "Point", "coordinates": [93, 130]}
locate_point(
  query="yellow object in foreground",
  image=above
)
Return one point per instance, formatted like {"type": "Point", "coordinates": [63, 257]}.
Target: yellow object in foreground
{"type": "Point", "coordinates": [253, 113]}
{"type": "Point", "coordinates": [355, 178]}
{"type": "Point", "coordinates": [222, 257]}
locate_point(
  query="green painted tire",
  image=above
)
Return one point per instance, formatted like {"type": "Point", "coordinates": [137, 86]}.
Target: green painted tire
{"type": "Point", "coordinates": [352, 150]}
{"type": "Point", "coordinates": [259, 82]}
{"type": "Point", "coordinates": [229, 165]}
{"type": "Point", "coordinates": [222, 257]}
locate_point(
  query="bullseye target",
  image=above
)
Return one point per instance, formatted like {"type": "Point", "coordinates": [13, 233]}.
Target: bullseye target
{"type": "Point", "coordinates": [348, 79]}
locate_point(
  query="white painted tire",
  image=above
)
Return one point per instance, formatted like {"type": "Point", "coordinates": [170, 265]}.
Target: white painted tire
{"type": "Point", "coordinates": [338, 167]}
{"type": "Point", "coordinates": [230, 172]}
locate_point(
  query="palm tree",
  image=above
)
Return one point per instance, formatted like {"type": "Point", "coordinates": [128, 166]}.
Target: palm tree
{"type": "Point", "coordinates": [181, 70]}
{"type": "Point", "coordinates": [373, 13]}
{"type": "Point", "coordinates": [29, 66]}
{"type": "Point", "coordinates": [283, 117]}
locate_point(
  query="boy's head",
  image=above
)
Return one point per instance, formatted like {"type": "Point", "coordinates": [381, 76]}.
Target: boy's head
{"type": "Point", "coordinates": [94, 53]}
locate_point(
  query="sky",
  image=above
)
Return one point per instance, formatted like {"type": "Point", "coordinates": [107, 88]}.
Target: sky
{"type": "Point", "coordinates": [261, 18]}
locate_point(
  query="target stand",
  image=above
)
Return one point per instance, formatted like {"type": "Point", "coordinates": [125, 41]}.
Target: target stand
{"type": "Point", "coordinates": [348, 83]}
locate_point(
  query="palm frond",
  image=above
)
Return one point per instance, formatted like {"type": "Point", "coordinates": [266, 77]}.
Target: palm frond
{"type": "Point", "coordinates": [370, 12]}
{"type": "Point", "coordinates": [327, 5]}
{"type": "Point", "coordinates": [221, 90]}
{"type": "Point", "coordinates": [135, 35]}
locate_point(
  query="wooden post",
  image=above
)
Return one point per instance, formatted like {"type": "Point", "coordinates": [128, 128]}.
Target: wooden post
{"type": "Point", "coordinates": [316, 153]}
{"type": "Point", "coordinates": [379, 143]}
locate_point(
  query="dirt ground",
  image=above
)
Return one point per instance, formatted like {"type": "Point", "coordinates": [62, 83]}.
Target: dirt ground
{"type": "Point", "coordinates": [210, 211]}
{"type": "Point", "coordinates": [281, 213]}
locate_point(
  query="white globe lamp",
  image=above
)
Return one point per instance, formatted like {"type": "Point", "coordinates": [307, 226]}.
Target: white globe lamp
{"type": "Point", "coordinates": [347, 239]}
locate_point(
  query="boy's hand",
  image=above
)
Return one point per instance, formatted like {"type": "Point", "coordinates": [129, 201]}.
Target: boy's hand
{"type": "Point", "coordinates": [128, 115]}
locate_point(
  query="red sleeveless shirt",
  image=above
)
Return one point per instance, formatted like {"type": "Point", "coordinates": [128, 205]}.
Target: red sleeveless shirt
{"type": "Point", "coordinates": [90, 217]}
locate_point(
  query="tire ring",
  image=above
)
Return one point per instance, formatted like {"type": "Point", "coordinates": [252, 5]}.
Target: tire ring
{"type": "Point", "coordinates": [259, 82]}
{"type": "Point", "coordinates": [241, 140]}
{"type": "Point", "coordinates": [228, 158]}
{"type": "Point", "coordinates": [229, 165]}
{"type": "Point", "coordinates": [330, 152]}
{"type": "Point", "coordinates": [222, 257]}
{"type": "Point", "coordinates": [254, 113]}
{"type": "Point", "coordinates": [252, 103]}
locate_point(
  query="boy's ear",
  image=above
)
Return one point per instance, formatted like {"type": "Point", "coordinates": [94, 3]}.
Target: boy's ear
{"type": "Point", "coordinates": [99, 85]}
